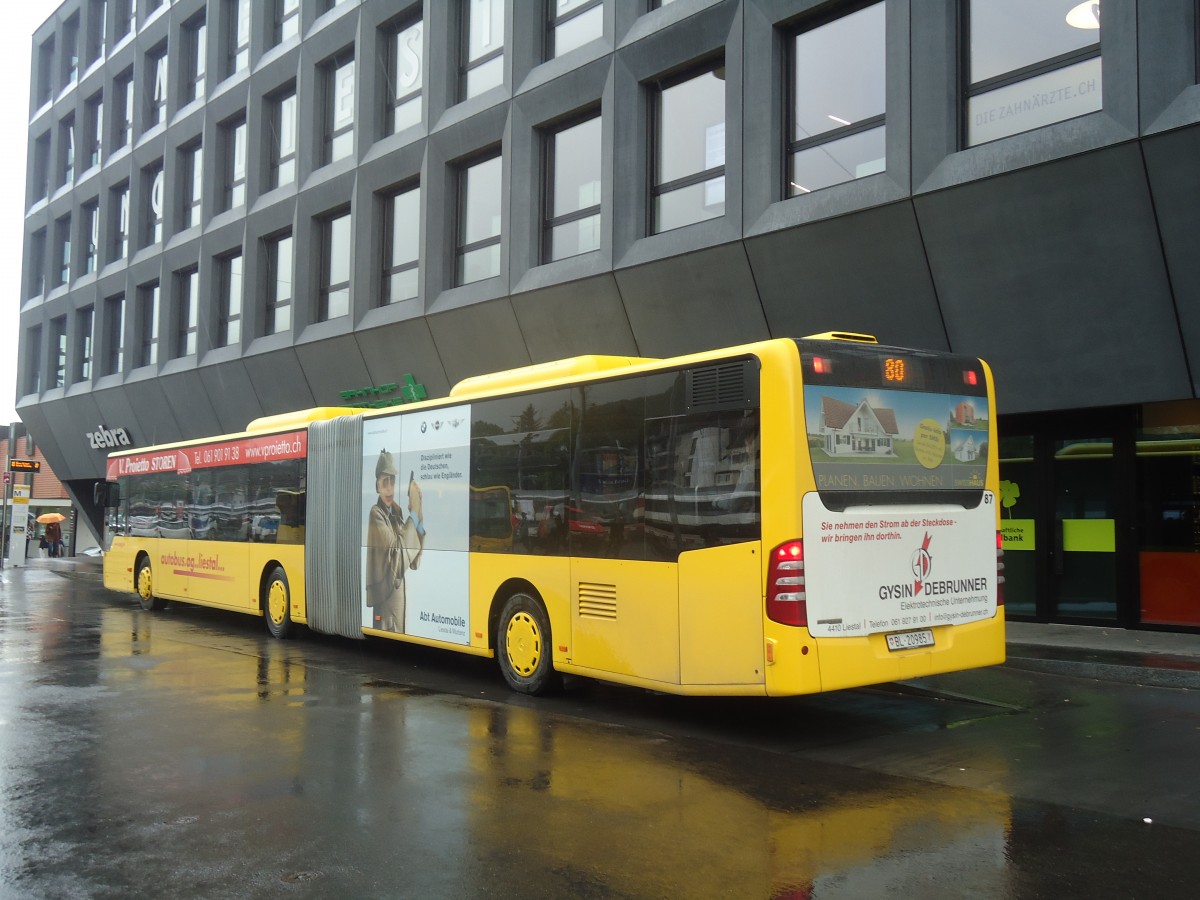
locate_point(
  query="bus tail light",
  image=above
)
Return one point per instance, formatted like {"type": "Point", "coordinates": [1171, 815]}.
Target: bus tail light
{"type": "Point", "coordinates": [787, 603]}
{"type": "Point", "coordinates": [999, 569]}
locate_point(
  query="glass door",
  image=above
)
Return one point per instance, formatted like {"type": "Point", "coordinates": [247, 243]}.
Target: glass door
{"type": "Point", "coordinates": [1067, 504]}
{"type": "Point", "coordinates": [1083, 552]}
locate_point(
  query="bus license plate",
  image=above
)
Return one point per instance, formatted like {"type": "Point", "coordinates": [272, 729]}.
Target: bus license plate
{"type": "Point", "coordinates": [906, 640]}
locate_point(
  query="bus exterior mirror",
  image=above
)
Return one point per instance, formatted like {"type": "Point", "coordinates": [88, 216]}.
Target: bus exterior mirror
{"type": "Point", "coordinates": [106, 494]}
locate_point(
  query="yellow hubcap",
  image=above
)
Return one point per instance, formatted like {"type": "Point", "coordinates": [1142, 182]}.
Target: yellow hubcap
{"type": "Point", "coordinates": [144, 586]}
{"type": "Point", "coordinates": [277, 602]}
{"type": "Point", "coordinates": [524, 644]}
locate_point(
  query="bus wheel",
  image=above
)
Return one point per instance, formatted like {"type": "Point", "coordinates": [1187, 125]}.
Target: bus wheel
{"type": "Point", "coordinates": [277, 604]}
{"type": "Point", "coordinates": [524, 649]}
{"type": "Point", "coordinates": [144, 583]}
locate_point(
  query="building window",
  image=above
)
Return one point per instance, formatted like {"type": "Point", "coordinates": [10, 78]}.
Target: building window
{"type": "Point", "coordinates": [573, 23]}
{"type": "Point", "coordinates": [66, 150]}
{"type": "Point", "coordinates": [838, 86]}
{"type": "Point", "coordinates": [119, 221]}
{"type": "Point", "coordinates": [36, 284]}
{"type": "Point", "coordinates": [93, 128]}
{"type": "Point", "coordinates": [336, 254]}
{"type": "Point", "coordinates": [58, 347]}
{"type": "Point", "coordinates": [479, 209]}
{"type": "Point", "coordinates": [483, 46]}
{"type": "Point", "coordinates": [148, 296]}
{"type": "Point", "coordinates": [233, 160]}
{"type": "Point", "coordinates": [689, 158]}
{"type": "Point", "coordinates": [287, 20]}
{"type": "Point", "coordinates": [70, 50]}
{"type": "Point", "coordinates": [283, 138]}
{"type": "Point", "coordinates": [195, 58]}
{"type": "Point", "coordinates": [192, 183]}
{"type": "Point", "coordinates": [229, 330]}
{"type": "Point", "coordinates": [187, 286]}
{"type": "Point", "coordinates": [97, 19]}
{"type": "Point", "coordinates": [279, 284]}
{"type": "Point", "coordinates": [572, 213]}
{"type": "Point", "coordinates": [401, 244]}
{"type": "Point", "coordinates": [152, 209]}
{"type": "Point", "coordinates": [33, 360]}
{"type": "Point", "coordinates": [124, 18]}
{"type": "Point", "coordinates": [1024, 52]}
{"type": "Point", "coordinates": [403, 47]}
{"type": "Point", "coordinates": [84, 322]}
{"type": "Point", "coordinates": [45, 72]}
{"type": "Point", "coordinates": [156, 87]}
{"type": "Point", "coordinates": [338, 77]}
{"type": "Point", "coordinates": [237, 36]}
{"type": "Point", "coordinates": [62, 250]}
{"type": "Point", "coordinates": [41, 167]}
{"type": "Point", "coordinates": [123, 103]}
{"type": "Point", "coordinates": [90, 232]}
{"type": "Point", "coordinates": [114, 344]}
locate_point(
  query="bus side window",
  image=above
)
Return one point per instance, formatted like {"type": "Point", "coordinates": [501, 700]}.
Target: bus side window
{"type": "Point", "coordinates": [703, 477]}
{"type": "Point", "coordinates": [524, 443]}
{"type": "Point", "coordinates": [603, 518]}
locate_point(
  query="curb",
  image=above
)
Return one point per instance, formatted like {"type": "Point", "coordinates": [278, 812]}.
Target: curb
{"type": "Point", "coordinates": [1125, 668]}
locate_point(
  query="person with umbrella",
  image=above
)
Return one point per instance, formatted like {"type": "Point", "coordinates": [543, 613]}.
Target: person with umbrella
{"type": "Point", "coordinates": [53, 532]}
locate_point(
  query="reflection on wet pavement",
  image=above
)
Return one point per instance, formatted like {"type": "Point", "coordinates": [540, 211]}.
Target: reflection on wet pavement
{"type": "Point", "coordinates": [151, 753]}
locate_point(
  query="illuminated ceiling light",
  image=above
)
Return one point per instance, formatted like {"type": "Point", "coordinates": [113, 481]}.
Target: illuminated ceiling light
{"type": "Point", "coordinates": [801, 188]}
{"type": "Point", "coordinates": [1085, 15]}
{"type": "Point", "coordinates": [836, 119]}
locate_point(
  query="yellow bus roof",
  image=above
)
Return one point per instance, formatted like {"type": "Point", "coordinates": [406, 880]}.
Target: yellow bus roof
{"type": "Point", "coordinates": [542, 373]}
{"type": "Point", "coordinates": [300, 417]}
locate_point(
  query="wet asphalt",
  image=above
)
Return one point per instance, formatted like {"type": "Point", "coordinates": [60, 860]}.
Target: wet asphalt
{"type": "Point", "coordinates": [183, 752]}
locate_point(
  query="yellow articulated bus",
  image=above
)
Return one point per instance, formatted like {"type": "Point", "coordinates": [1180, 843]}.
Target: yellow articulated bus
{"type": "Point", "coordinates": [779, 518]}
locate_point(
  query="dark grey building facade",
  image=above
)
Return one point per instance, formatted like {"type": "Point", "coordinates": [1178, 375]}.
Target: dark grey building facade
{"type": "Point", "coordinates": [241, 208]}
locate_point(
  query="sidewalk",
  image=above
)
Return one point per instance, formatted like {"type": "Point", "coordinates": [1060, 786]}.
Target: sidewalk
{"type": "Point", "coordinates": [1158, 658]}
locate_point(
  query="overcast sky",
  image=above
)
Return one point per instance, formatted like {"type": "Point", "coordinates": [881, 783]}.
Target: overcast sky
{"type": "Point", "coordinates": [21, 19]}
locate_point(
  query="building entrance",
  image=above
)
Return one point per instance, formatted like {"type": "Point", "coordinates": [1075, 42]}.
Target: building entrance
{"type": "Point", "coordinates": [1066, 497]}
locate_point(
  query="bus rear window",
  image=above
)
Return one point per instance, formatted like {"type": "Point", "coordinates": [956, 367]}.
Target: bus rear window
{"type": "Point", "coordinates": [882, 420]}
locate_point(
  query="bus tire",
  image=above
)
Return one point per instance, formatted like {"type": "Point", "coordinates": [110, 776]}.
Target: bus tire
{"type": "Point", "coordinates": [524, 648]}
{"type": "Point", "coordinates": [277, 604]}
{"type": "Point", "coordinates": [143, 583]}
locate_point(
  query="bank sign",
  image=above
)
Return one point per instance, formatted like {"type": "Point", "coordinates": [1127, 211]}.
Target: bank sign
{"type": "Point", "coordinates": [904, 568]}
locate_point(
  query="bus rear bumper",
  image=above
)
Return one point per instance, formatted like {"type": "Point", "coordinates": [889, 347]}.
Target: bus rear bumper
{"type": "Point", "coordinates": [861, 661]}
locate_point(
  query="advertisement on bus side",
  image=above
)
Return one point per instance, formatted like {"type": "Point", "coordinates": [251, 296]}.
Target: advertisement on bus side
{"type": "Point", "coordinates": [898, 568]}
{"type": "Point", "coordinates": [415, 514]}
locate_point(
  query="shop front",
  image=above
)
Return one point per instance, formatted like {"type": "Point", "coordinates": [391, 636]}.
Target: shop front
{"type": "Point", "coordinates": [1101, 515]}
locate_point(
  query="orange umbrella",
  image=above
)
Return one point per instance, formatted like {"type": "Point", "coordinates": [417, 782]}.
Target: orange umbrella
{"type": "Point", "coordinates": [47, 518]}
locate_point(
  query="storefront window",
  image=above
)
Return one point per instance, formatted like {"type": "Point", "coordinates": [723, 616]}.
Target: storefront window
{"type": "Point", "coordinates": [1168, 478]}
{"type": "Point", "coordinates": [1017, 518]}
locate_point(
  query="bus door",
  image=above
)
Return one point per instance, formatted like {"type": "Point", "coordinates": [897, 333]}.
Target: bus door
{"type": "Point", "coordinates": [625, 612]}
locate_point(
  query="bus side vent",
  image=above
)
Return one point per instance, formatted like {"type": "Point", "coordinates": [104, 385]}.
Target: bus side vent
{"type": "Point", "coordinates": [731, 385]}
{"type": "Point", "coordinates": [597, 601]}
{"type": "Point", "coordinates": [332, 551]}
